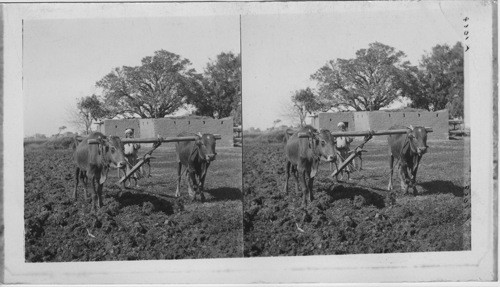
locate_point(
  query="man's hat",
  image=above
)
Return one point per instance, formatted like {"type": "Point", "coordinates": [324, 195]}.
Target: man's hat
{"type": "Point", "coordinates": [129, 131]}
{"type": "Point", "coordinates": [341, 125]}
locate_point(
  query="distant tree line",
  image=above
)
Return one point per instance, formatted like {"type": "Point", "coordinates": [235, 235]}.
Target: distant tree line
{"type": "Point", "coordinates": [160, 86]}
{"type": "Point", "coordinates": [379, 76]}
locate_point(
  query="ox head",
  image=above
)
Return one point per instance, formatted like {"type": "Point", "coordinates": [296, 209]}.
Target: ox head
{"type": "Point", "coordinates": [325, 145]}
{"type": "Point", "coordinates": [209, 142]}
{"type": "Point", "coordinates": [418, 139]}
{"type": "Point", "coordinates": [111, 150]}
{"type": "Point", "coordinates": [199, 149]}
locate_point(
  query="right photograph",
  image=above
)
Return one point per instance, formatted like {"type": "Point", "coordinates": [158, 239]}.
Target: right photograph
{"type": "Point", "coordinates": [356, 131]}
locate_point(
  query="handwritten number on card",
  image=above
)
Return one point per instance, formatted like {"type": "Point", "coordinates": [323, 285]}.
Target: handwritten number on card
{"type": "Point", "coordinates": [466, 33]}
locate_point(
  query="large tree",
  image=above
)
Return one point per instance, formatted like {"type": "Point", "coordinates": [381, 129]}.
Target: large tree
{"type": "Point", "coordinates": [88, 110]}
{"type": "Point", "coordinates": [156, 88]}
{"type": "Point", "coordinates": [439, 82]}
{"type": "Point", "coordinates": [369, 81]}
{"type": "Point", "coordinates": [305, 103]}
{"type": "Point", "coordinates": [219, 92]}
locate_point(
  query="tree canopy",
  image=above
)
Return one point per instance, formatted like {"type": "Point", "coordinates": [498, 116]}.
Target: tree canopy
{"type": "Point", "coordinates": [439, 81]}
{"type": "Point", "coordinates": [219, 91]}
{"type": "Point", "coordinates": [88, 109]}
{"type": "Point", "coordinates": [156, 88]}
{"type": "Point", "coordinates": [305, 103]}
{"type": "Point", "coordinates": [369, 81]}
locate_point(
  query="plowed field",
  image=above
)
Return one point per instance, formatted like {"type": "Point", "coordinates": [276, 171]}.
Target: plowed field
{"type": "Point", "coordinates": [136, 224]}
{"type": "Point", "coordinates": [357, 216]}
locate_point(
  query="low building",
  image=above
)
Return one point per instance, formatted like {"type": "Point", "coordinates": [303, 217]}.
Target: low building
{"type": "Point", "coordinates": [171, 127]}
{"type": "Point", "coordinates": [384, 119]}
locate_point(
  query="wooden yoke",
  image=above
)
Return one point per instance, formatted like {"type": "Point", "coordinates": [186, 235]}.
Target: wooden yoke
{"type": "Point", "coordinates": [366, 133]}
{"type": "Point", "coordinates": [154, 140]}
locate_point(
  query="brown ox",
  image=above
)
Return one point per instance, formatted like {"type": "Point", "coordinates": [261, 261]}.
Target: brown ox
{"type": "Point", "coordinates": [303, 157]}
{"type": "Point", "coordinates": [194, 157]}
{"type": "Point", "coordinates": [408, 149]}
{"type": "Point", "coordinates": [93, 161]}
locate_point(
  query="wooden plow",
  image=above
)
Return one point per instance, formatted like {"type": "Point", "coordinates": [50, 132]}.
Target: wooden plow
{"type": "Point", "coordinates": [357, 151]}
{"type": "Point", "coordinates": [147, 156]}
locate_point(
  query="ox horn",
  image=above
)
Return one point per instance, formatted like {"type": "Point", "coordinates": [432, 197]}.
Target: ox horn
{"type": "Point", "coordinates": [199, 134]}
{"type": "Point", "coordinates": [411, 128]}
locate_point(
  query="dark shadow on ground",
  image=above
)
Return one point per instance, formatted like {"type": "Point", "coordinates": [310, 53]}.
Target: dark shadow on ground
{"type": "Point", "coordinates": [441, 186]}
{"type": "Point", "coordinates": [342, 191]}
{"type": "Point", "coordinates": [128, 198]}
{"type": "Point", "coordinates": [225, 193]}
{"type": "Point", "coordinates": [354, 184]}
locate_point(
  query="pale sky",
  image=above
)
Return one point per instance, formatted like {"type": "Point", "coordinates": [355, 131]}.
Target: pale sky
{"type": "Point", "coordinates": [281, 52]}
{"type": "Point", "coordinates": [63, 59]}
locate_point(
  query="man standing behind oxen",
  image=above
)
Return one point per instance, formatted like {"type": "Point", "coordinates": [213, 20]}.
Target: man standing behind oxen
{"type": "Point", "coordinates": [343, 147]}
{"type": "Point", "coordinates": [131, 150]}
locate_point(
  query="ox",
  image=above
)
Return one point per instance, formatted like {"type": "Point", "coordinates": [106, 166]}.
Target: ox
{"type": "Point", "coordinates": [408, 149]}
{"type": "Point", "coordinates": [93, 161]}
{"type": "Point", "coordinates": [193, 158]}
{"type": "Point", "coordinates": [303, 157]}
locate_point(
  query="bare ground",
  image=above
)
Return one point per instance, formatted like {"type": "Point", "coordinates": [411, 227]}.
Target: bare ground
{"type": "Point", "coordinates": [134, 224]}
{"type": "Point", "coordinates": [358, 216]}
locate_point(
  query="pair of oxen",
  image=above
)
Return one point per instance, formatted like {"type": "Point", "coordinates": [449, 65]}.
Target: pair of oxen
{"type": "Point", "coordinates": [305, 153]}
{"type": "Point", "coordinates": [93, 162]}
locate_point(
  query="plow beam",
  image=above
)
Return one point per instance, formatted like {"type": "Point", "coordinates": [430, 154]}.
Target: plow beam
{"type": "Point", "coordinates": [136, 167]}
{"type": "Point", "coordinates": [344, 164]}
{"type": "Point", "coordinates": [154, 140]}
{"type": "Point", "coordinates": [366, 133]}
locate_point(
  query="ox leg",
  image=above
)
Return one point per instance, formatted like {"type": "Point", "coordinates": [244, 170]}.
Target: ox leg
{"type": "Point", "coordinates": [189, 183]}
{"type": "Point", "coordinates": [84, 179]}
{"type": "Point", "coordinates": [77, 178]}
{"type": "Point", "coordinates": [203, 176]}
{"type": "Point", "coordinates": [200, 188]}
{"type": "Point", "coordinates": [99, 195]}
{"type": "Point", "coordinates": [98, 192]}
{"type": "Point", "coordinates": [310, 189]}
{"type": "Point", "coordinates": [192, 186]}
{"type": "Point", "coordinates": [403, 175]}
{"type": "Point", "coordinates": [295, 174]}
{"type": "Point", "coordinates": [302, 174]}
{"type": "Point", "coordinates": [414, 178]}
{"type": "Point", "coordinates": [94, 194]}
{"type": "Point", "coordinates": [287, 176]}
{"type": "Point", "coordinates": [179, 176]}
{"type": "Point", "coordinates": [391, 167]}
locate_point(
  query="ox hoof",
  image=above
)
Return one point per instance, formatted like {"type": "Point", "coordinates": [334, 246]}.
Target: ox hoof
{"type": "Point", "coordinates": [415, 191]}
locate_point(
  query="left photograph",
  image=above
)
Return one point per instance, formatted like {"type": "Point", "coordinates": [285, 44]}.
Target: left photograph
{"type": "Point", "coordinates": [132, 139]}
